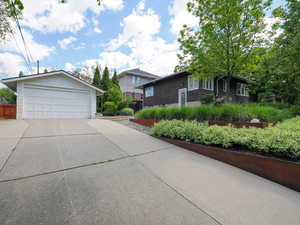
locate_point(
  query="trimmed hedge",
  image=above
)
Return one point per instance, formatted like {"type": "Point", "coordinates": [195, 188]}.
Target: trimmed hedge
{"type": "Point", "coordinates": [282, 140]}
{"type": "Point", "coordinates": [126, 112]}
{"type": "Point", "coordinates": [110, 109]}
{"type": "Point", "coordinates": [224, 112]}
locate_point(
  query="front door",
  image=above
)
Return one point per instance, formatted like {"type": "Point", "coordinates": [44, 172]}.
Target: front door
{"type": "Point", "coordinates": [182, 97]}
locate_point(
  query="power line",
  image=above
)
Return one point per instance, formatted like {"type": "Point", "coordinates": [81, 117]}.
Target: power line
{"type": "Point", "coordinates": [21, 52]}
{"type": "Point", "coordinates": [27, 51]}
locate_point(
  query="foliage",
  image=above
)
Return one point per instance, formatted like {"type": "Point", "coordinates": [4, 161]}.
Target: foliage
{"type": "Point", "coordinates": [208, 99]}
{"type": "Point", "coordinates": [279, 73]}
{"type": "Point", "coordinates": [106, 82]}
{"type": "Point", "coordinates": [110, 109]}
{"type": "Point", "coordinates": [126, 112]}
{"type": "Point", "coordinates": [115, 79]}
{"type": "Point", "coordinates": [7, 94]}
{"type": "Point", "coordinates": [124, 103]}
{"type": "Point", "coordinates": [225, 112]}
{"type": "Point", "coordinates": [114, 94]}
{"type": "Point", "coordinates": [225, 40]}
{"type": "Point", "coordinates": [97, 78]}
{"type": "Point", "coordinates": [21, 74]}
{"type": "Point", "coordinates": [282, 140]}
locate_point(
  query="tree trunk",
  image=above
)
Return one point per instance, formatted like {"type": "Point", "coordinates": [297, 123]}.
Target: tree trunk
{"type": "Point", "coordinates": [228, 88]}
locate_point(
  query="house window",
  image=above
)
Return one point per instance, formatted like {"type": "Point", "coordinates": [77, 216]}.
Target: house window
{"type": "Point", "coordinates": [193, 83]}
{"type": "Point", "coordinates": [149, 91]}
{"type": "Point", "coordinates": [135, 79]}
{"type": "Point", "coordinates": [241, 89]}
{"type": "Point", "coordinates": [208, 84]}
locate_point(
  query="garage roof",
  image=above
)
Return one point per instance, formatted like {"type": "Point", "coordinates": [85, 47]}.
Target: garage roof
{"type": "Point", "coordinates": [12, 82]}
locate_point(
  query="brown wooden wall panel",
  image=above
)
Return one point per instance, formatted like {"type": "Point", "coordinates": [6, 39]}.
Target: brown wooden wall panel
{"type": "Point", "coordinates": [8, 111]}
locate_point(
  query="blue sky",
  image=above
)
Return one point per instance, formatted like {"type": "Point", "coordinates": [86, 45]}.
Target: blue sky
{"type": "Point", "coordinates": [79, 34]}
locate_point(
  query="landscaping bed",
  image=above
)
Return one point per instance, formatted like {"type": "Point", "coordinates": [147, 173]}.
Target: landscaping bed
{"type": "Point", "coordinates": [225, 113]}
{"type": "Point", "coordinates": [281, 140]}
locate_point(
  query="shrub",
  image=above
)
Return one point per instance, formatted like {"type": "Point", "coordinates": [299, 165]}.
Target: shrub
{"type": "Point", "coordinates": [110, 109]}
{"type": "Point", "coordinates": [126, 112]}
{"type": "Point", "coordinates": [282, 140]}
{"type": "Point", "coordinates": [124, 103]}
{"type": "Point", "coordinates": [225, 112]}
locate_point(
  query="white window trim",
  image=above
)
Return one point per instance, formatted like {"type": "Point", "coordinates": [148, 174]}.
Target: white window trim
{"type": "Point", "coordinates": [146, 95]}
{"type": "Point", "coordinates": [243, 90]}
{"type": "Point", "coordinates": [179, 97]}
{"type": "Point", "coordinates": [205, 88]}
{"type": "Point", "coordinates": [192, 86]}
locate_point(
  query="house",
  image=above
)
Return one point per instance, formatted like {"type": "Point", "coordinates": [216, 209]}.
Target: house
{"type": "Point", "coordinates": [182, 88]}
{"type": "Point", "coordinates": [129, 79]}
{"type": "Point", "coordinates": [56, 94]}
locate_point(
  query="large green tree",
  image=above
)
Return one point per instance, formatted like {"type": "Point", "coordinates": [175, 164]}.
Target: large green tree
{"type": "Point", "coordinates": [224, 43]}
{"type": "Point", "coordinates": [115, 79]}
{"type": "Point", "coordinates": [279, 73]}
{"type": "Point", "coordinates": [106, 81]}
{"type": "Point", "coordinates": [97, 78]}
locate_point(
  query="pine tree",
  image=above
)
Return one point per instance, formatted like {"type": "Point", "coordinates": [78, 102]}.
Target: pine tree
{"type": "Point", "coordinates": [97, 78]}
{"type": "Point", "coordinates": [115, 79]}
{"type": "Point", "coordinates": [106, 82]}
{"type": "Point", "coordinates": [21, 74]}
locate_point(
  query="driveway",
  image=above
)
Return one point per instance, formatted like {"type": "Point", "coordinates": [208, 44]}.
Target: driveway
{"type": "Point", "coordinates": [101, 172]}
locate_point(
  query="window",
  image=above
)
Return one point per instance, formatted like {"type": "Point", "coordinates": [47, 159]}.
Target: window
{"type": "Point", "coordinates": [149, 91]}
{"type": "Point", "coordinates": [135, 79]}
{"type": "Point", "coordinates": [208, 84]}
{"type": "Point", "coordinates": [241, 89]}
{"type": "Point", "coordinates": [193, 83]}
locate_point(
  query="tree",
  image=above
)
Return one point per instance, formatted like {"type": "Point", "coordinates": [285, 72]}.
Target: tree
{"type": "Point", "coordinates": [97, 78]}
{"type": "Point", "coordinates": [225, 40]}
{"type": "Point", "coordinates": [114, 94]}
{"type": "Point", "coordinates": [106, 82]}
{"type": "Point", "coordinates": [115, 79]}
{"type": "Point", "coordinates": [279, 73]}
{"type": "Point", "coordinates": [7, 94]}
{"type": "Point", "coordinates": [21, 74]}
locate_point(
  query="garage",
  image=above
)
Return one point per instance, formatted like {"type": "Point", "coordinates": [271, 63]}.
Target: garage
{"type": "Point", "coordinates": [57, 94]}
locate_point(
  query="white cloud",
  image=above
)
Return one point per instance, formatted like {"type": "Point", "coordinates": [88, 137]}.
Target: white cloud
{"type": "Point", "coordinates": [140, 24]}
{"type": "Point", "coordinates": [180, 16]}
{"type": "Point", "coordinates": [97, 30]}
{"type": "Point", "coordinates": [139, 33]}
{"type": "Point", "coordinates": [38, 51]}
{"type": "Point", "coordinates": [11, 64]}
{"type": "Point", "coordinates": [65, 42]}
{"type": "Point", "coordinates": [69, 67]}
{"type": "Point", "coordinates": [52, 16]}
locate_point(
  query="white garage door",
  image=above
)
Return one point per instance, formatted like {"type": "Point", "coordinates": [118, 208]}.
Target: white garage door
{"type": "Point", "coordinates": [41, 102]}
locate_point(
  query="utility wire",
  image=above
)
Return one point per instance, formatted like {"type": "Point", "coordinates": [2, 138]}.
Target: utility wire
{"type": "Point", "coordinates": [27, 51]}
{"type": "Point", "coordinates": [22, 54]}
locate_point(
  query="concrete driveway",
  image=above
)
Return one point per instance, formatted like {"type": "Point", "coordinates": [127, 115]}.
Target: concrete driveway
{"type": "Point", "coordinates": [101, 172]}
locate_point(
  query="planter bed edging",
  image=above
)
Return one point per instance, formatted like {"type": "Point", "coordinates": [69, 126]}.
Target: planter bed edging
{"type": "Point", "coordinates": [145, 122]}
{"type": "Point", "coordinates": [283, 172]}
